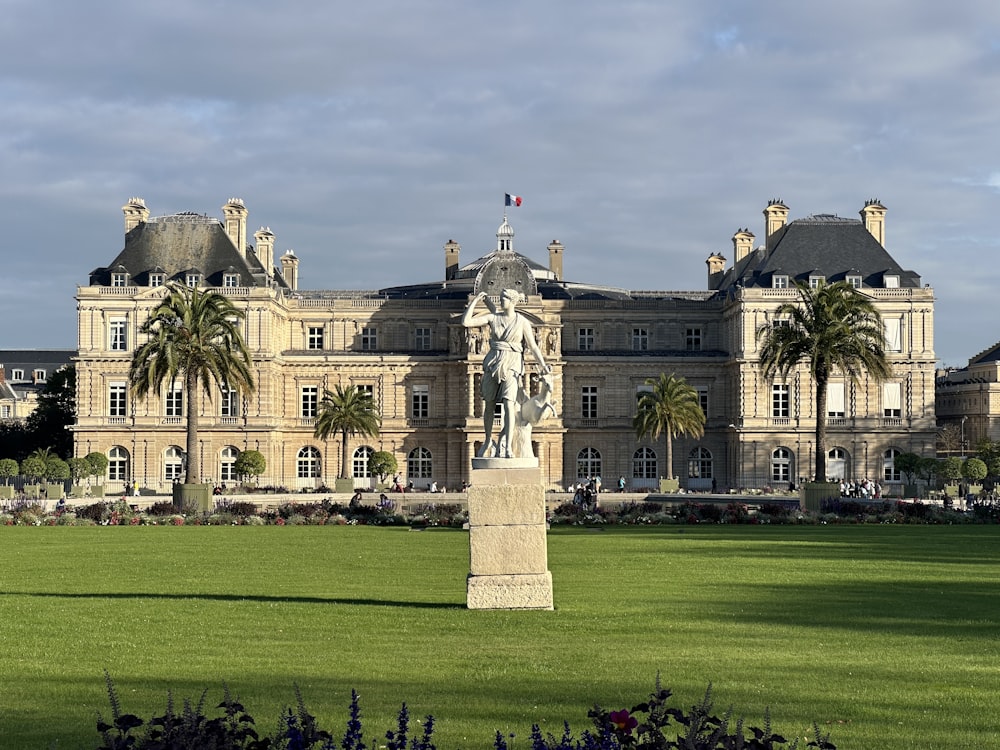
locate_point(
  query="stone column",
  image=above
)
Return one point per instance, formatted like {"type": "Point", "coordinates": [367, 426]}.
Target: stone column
{"type": "Point", "coordinates": [508, 549]}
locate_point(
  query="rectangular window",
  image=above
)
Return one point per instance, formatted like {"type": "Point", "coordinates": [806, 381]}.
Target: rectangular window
{"type": "Point", "coordinates": [117, 336]}
{"type": "Point", "coordinates": [38, 376]}
{"type": "Point", "coordinates": [702, 391]}
{"type": "Point", "coordinates": [780, 401]}
{"type": "Point", "coordinates": [309, 401]}
{"type": "Point", "coordinates": [586, 339]}
{"type": "Point", "coordinates": [692, 339]}
{"type": "Point", "coordinates": [367, 388]}
{"type": "Point", "coordinates": [174, 403]}
{"type": "Point", "coordinates": [588, 402]}
{"type": "Point", "coordinates": [420, 402]}
{"type": "Point", "coordinates": [157, 279]}
{"type": "Point", "coordinates": [893, 334]}
{"type": "Point", "coordinates": [779, 281]}
{"type": "Point", "coordinates": [116, 400]}
{"type": "Point", "coordinates": [422, 339]}
{"type": "Point", "coordinates": [369, 339]}
{"type": "Point", "coordinates": [230, 280]}
{"type": "Point", "coordinates": [314, 337]}
{"type": "Point", "coordinates": [835, 406]}
{"type": "Point", "coordinates": [816, 281]}
{"type": "Point", "coordinates": [192, 279]}
{"type": "Point", "coordinates": [892, 401]}
{"type": "Point", "coordinates": [16, 375]}
{"type": "Point", "coordinates": [229, 403]}
{"type": "Point", "coordinates": [5, 411]}
{"type": "Point", "coordinates": [854, 281]}
{"type": "Point", "coordinates": [640, 339]}
{"type": "Point", "coordinates": [119, 279]}
{"type": "Point", "coordinates": [891, 281]}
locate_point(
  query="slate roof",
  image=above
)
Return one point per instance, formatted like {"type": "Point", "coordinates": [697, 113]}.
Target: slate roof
{"type": "Point", "coordinates": [823, 245]}
{"type": "Point", "coordinates": [28, 360]}
{"type": "Point", "coordinates": [178, 244]}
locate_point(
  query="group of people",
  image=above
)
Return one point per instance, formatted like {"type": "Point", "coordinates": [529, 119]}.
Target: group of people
{"type": "Point", "coordinates": [865, 489]}
{"type": "Point", "coordinates": [585, 493]}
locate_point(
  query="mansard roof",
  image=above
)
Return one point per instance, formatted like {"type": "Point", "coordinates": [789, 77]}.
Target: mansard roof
{"type": "Point", "coordinates": [822, 245]}
{"type": "Point", "coordinates": [177, 244]}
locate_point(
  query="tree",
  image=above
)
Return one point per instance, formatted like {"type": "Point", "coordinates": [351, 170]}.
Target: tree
{"type": "Point", "coordinates": [381, 464]}
{"type": "Point", "coordinates": [55, 413]}
{"type": "Point", "coordinates": [347, 411]}
{"type": "Point", "coordinates": [8, 469]}
{"type": "Point", "coordinates": [250, 464]}
{"type": "Point", "coordinates": [194, 337]}
{"type": "Point", "coordinates": [974, 469]}
{"type": "Point", "coordinates": [671, 408]}
{"type": "Point", "coordinates": [33, 468]}
{"type": "Point", "coordinates": [56, 470]}
{"type": "Point", "coordinates": [908, 464]}
{"type": "Point", "coordinates": [831, 328]}
{"type": "Point", "coordinates": [950, 468]}
{"type": "Point", "coordinates": [98, 464]}
{"type": "Point", "coordinates": [79, 469]}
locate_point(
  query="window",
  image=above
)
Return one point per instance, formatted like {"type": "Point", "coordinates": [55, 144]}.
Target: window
{"type": "Point", "coordinates": [116, 399]}
{"type": "Point", "coordinates": [588, 463]}
{"type": "Point", "coordinates": [779, 281]}
{"type": "Point", "coordinates": [890, 281]}
{"type": "Point", "coordinates": [835, 400]}
{"type": "Point", "coordinates": [119, 279]}
{"type": "Point", "coordinates": [422, 339]}
{"type": "Point", "coordinates": [893, 339]}
{"type": "Point", "coordinates": [700, 463]}
{"type": "Point", "coordinates": [854, 280]}
{"type": "Point", "coordinates": [5, 411]}
{"type": "Point", "coordinates": [368, 389]}
{"type": "Point", "coordinates": [157, 279]}
{"type": "Point", "coordinates": [781, 465]}
{"type": "Point", "coordinates": [227, 464]}
{"type": "Point", "coordinates": [815, 282]}
{"type": "Point", "coordinates": [586, 337]}
{"type": "Point", "coordinates": [174, 402]}
{"type": "Point", "coordinates": [117, 337]}
{"type": "Point", "coordinates": [692, 339]}
{"type": "Point", "coordinates": [229, 402]}
{"type": "Point", "coordinates": [38, 376]}
{"type": "Point", "coordinates": [359, 465]}
{"type": "Point", "coordinates": [640, 339]}
{"type": "Point", "coordinates": [173, 464]}
{"type": "Point", "coordinates": [369, 339]}
{"type": "Point", "coordinates": [889, 471]}
{"type": "Point", "coordinates": [309, 399]}
{"type": "Point", "coordinates": [892, 402]}
{"type": "Point", "coordinates": [836, 465]}
{"type": "Point", "coordinates": [307, 463]}
{"type": "Point", "coordinates": [118, 468]}
{"type": "Point", "coordinates": [230, 280]}
{"type": "Point", "coordinates": [419, 464]}
{"type": "Point", "coordinates": [644, 464]}
{"type": "Point", "coordinates": [314, 337]}
{"type": "Point", "coordinates": [588, 402]}
{"type": "Point", "coordinates": [780, 400]}
{"type": "Point", "coordinates": [16, 375]}
{"type": "Point", "coordinates": [419, 402]}
{"type": "Point", "coordinates": [702, 391]}
{"type": "Point", "coordinates": [192, 279]}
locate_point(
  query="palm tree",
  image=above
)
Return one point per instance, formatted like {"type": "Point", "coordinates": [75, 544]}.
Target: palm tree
{"type": "Point", "coordinates": [831, 327]}
{"type": "Point", "coordinates": [348, 411]}
{"type": "Point", "coordinates": [673, 408]}
{"type": "Point", "coordinates": [194, 337]}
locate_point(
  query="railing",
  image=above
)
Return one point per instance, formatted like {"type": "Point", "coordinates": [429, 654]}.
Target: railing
{"type": "Point", "coordinates": [781, 421]}
{"type": "Point", "coordinates": [419, 421]}
{"type": "Point", "coordinates": [172, 420]}
{"type": "Point", "coordinates": [117, 420]}
{"type": "Point", "coordinates": [229, 420]}
{"type": "Point", "coordinates": [892, 421]}
{"type": "Point", "coordinates": [589, 423]}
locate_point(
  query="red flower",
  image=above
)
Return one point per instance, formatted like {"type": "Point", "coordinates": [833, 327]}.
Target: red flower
{"type": "Point", "coordinates": [279, 522]}
{"type": "Point", "coordinates": [623, 721]}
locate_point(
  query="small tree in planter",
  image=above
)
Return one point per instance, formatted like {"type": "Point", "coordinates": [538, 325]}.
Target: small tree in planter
{"type": "Point", "coordinates": [908, 464]}
{"type": "Point", "coordinates": [250, 464]}
{"type": "Point", "coordinates": [98, 468]}
{"type": "Point", "coordinates": [381, 464]}
{"type": "Point", "coordinates": [950, 470]}
{"type": "Point", "coordinates": [33, 470]}
{"type": "Point", "coordinates": [974, 470]}
{"type": "Point", "coordinates": [56, 473]}
{"type": "Point", "coordinates": [79, 469]}
{"type": "Point", "coordinates": [8, 470]}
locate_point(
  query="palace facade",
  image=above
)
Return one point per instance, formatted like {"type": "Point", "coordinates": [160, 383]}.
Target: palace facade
{"type": "Point", "coordinates": [406, 346]}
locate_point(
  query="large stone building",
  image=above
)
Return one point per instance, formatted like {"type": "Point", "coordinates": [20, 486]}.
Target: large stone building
{"type": "Point", "coordinates": [968, 403]}
{"type": "Point", "coordinates": [405, 345]}
{"type": "Point", "coordinates": [23, 376]}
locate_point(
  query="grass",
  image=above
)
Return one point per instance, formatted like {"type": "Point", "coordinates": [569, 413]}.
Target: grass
{"type": "Point", "coordinates": [886, 636]}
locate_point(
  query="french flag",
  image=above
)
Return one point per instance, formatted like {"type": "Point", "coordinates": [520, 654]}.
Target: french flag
{"type": "Point", "coordinates": [511, 200]}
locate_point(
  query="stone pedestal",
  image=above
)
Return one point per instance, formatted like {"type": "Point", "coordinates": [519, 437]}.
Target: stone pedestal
{"type": "Point", "coordinates": [508, 550]}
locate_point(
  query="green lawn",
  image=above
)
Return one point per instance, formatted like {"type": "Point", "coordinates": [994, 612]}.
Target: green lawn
{"type": "Point", "coordinates": [887, 636]}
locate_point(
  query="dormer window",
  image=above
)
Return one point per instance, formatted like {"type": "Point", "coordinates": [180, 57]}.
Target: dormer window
{"type": "Point", "coordinates": [890, 281]}
{"type": "Point", "coordinates": [119, 279]}
{"type": "Point", "coordinates": [854, 280]}
{"type": "Point", "coordinates": [192, 279]}
{"type": "Point", "coordinates": [157, 279]}
{"type": "Point", "coordinates": [38, 376]}
{"type": "Point", "coordinates": [779, 281]}
{"type": "Point", "coordinates": [816, 281]}
{"type": "Point", "coordinates": [231, 280]}
{"type": "Point", "coordinates": [17, 375]}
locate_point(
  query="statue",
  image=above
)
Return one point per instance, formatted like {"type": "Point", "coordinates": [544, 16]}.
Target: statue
{"type": "Point", "coordinates": [503, 367]}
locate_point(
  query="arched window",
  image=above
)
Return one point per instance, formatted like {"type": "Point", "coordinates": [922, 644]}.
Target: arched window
{"type": "Point", "coordinates": [781, 465]}
{"type": "Point", "coordinates": [419, 464]}
{"type": "Point", "coordinates": [889, 471]}
{"type": "Point", "coordinates": [118, 464]}
{"type": "Point", "coordinates": [700, 463]}
{"type": "Point", "coordinates": [836, 465]}
{"type": "Point", "coordinates": [359, 469]}
{"type": "Point", "coordinates": [588, 463]}
{"type": "Point", "coordinates": [307, 463]}
{"type": "Point", "coordinates": [227, 461]}
{"type": "Point", "coordinates": [173, 464]}
{"type": "Point", "coordinates": [644, 464]}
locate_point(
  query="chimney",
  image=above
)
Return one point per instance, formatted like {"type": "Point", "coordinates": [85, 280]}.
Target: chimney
{"type": "Point", "coordinates": [873, 215]}
{"type": "Point", "coordinates": [135, 213]}
{"type": "Point", "coordinates": [716, 267]}
{"type": "Point", "coordinates": [236, 223]}
{"type": "Point", "coordinates": [556, 259]}
{"type": "Point", "coordinates": [265, 249]}
{"type": "Point", "coordinates": [775, 217]}
{"type": "Point", "coordinates": [742, 244]}
{"type": "Point", "coordinates": [290, 269]}
{"type": "Point", "coordinates": [451, 251]}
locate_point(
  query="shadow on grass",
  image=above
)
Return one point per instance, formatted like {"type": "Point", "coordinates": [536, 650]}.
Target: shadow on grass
{"type": "Point", "coordinates": [238, 598]}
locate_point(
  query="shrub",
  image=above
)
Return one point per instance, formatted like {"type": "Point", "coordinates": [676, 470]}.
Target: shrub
{"type": "Point", "coordinates": [161, 508]}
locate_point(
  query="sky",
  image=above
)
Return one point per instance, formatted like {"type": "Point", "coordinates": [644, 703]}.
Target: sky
{"type": "Point", "coordinates": [640, 134]}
